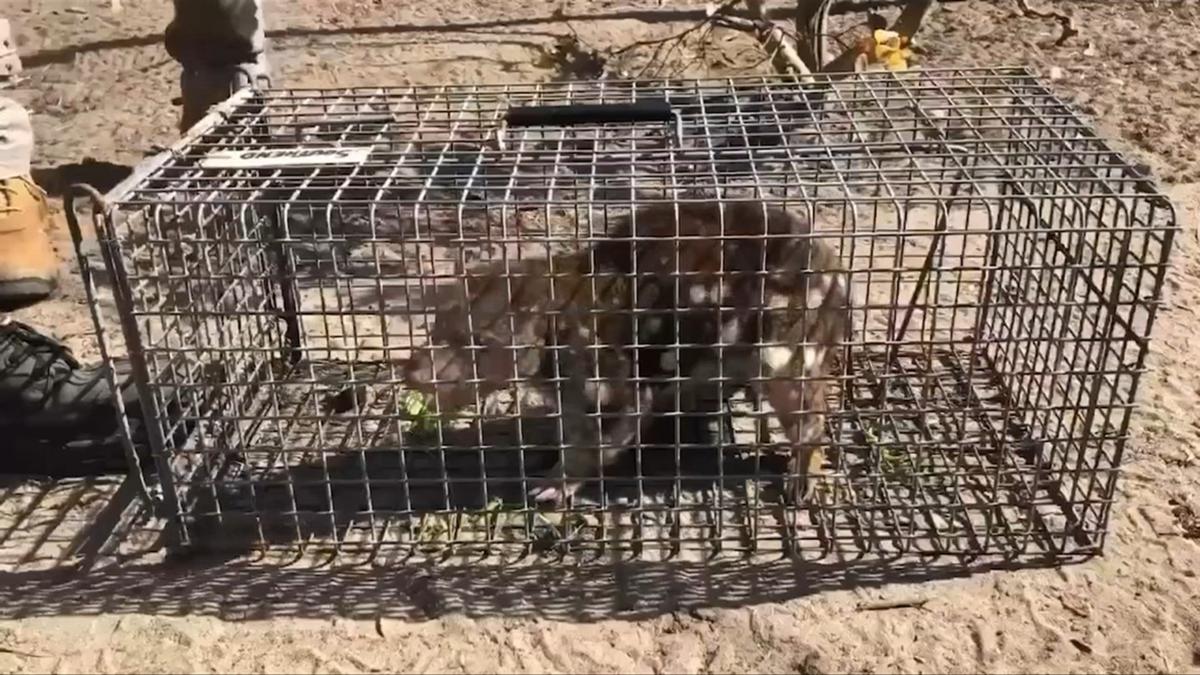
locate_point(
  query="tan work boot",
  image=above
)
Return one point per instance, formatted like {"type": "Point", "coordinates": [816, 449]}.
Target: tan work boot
{"type": "Point", "coordinates": [28, 266]}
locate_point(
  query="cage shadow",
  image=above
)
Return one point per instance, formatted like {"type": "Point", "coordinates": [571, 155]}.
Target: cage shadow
{"type": "Point", "coordinates": [298, 480]}
{"type": "Point", "coordinates": [488, 464]}
{"type": "Point", "coordinates": [46, 520]}
{"type": "Point", "coordinates": [630, 591]}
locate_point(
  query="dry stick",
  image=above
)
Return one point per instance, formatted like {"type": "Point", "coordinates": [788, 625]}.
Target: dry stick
{"type": "Point", "coordinates": [722, 8]}
{"type": "Point", "coordinates": [772, 38]}
{"type": "Point", "coordinates": [776, 42]}
{"type": "Point", "coordinates": [673, 40]}
{"type": "Point", "coordinates": [1068, 24]}
{"type": "Point", "coordinates": [770, 33]}
{"type": "Point", "coordinates": [811, 19]}
{"type": "Point", "coordinates": [916, 603]}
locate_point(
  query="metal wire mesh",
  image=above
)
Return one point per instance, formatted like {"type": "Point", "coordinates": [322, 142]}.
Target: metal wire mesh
{"type": "Point", "coordinates": [1004, 266]}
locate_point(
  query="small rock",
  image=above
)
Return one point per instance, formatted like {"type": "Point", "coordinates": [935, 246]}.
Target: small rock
{"type": "Point", "coordinates": [1081, 645]}
{"type": "Point", "coordinates": [1090, 50]}
{"type": "Point", "coordinates": [1056, 73]}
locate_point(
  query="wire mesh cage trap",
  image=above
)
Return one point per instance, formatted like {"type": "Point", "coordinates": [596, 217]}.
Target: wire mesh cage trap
{"type": "Point", "coordinates": [566, 317]}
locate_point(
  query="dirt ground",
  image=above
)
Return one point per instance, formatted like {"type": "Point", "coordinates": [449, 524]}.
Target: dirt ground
{"type": "Point", "coordinates": [100, 86]}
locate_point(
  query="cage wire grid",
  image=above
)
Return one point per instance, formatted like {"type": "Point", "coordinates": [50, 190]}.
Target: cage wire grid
{"type": "Point", "coordinates": [1006, 267]}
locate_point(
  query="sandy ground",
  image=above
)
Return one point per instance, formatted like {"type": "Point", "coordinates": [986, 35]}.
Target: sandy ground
{"type": "Point", "coordinates": [99, 85]}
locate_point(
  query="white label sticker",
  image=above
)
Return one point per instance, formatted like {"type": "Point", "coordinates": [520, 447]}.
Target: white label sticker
{"type": "Point", "coordinates": [280, 157]}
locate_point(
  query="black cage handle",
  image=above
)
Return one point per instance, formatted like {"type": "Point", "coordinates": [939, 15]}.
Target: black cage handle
{"type": "Point", "coordinates": [654, 110]}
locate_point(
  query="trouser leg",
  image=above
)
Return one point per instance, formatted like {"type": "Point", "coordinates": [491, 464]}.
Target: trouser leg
{"type": "Point", "coordinates": [28, 266]}
{"type": "Point", "coordinates": [220, 46]}
{"type": "Point", "coordinates": [16, 139]}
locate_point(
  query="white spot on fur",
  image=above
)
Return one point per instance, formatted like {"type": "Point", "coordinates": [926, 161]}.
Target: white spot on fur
{"type": "Point", "coordinates": [651, 326]}
{"type": "Point", "coordinates": [818, 288]}
{"type": "Point", "coordinates": [647, 295]}
{"type": "Point", "coordinates": [730, 331]}
{"type": "Point", "coordinates": [667, 362]}
{"type": "Point", "coordinates": [698, 294]}
{"type": "Point", "coordinates": [777, 357]}
{"type": "Point", "coordinates": [778, 301]}
{"type": "Point", "coordinates": [598, 392]}
{"type": "Point", "coordinates": [842, 282]}
{"type": "Point", "coordinates": [813, 356]}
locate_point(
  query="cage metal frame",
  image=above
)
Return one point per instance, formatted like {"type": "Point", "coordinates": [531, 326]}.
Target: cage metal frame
{"type": "Point", "coordinates": [802, 139]}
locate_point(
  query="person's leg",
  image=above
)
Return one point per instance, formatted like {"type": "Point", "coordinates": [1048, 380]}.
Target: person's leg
{"type": "Point", "coordinates": [57, 416]}
{"type": "Point", "coordinates": [28, 266]}
{"type": "Point", "coordinates": [220, 46]}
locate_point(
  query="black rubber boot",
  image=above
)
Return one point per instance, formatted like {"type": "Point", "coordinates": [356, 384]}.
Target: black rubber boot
{"type": "Point", "coordinates": [57, 417]}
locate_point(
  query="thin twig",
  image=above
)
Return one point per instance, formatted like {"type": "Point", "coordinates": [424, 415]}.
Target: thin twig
{"type": "Point", "coordinates": [1068, 24]}
{"type": "Point", "coordinates": [773, 39]}
{"type": "Point", "coordinates": [723, 7]}
{"type": "Point", "coordinates": [17, 652]}
{"type": "Point", "coordinates": [915, 603]}
{"type": "Point", "coordinates": [673, 41]}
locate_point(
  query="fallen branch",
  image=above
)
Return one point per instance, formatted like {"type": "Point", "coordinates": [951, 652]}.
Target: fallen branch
{"type": "Point", "coordinates": [17, 652]}
{"type": "Point", "coordinates": [773, 39]}
{"type": "Point", "coordinates": [801, 54]}
{"type": "Point", "coordinates": [1068, 24]}
{"type": "Point", "coordinates": [720, 9]}
{"type": "Point", "coordinates": [812, 16]}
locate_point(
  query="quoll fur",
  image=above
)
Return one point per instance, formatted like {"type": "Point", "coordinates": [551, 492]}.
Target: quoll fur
{"type": "Point", "coordinates": [757, 302]}
{"type": "Point", "coordinates": [489, 328]}
{"type": "Point", "coordinates": [540, 322]}
{"type": "Point", "coordinates": [756, 298]}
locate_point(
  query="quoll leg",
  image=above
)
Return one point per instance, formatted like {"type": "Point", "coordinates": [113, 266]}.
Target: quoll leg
{"type": "Point", "coordinates": [583, 456]}
{"type": "Point", "coordinates": [801, 408]}
{"type": "Point", "coordinates": [591, 443]}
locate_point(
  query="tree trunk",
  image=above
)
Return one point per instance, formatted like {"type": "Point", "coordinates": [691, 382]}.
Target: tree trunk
{"type": "Point", "coordinates": [912, 16]}
{"type": "Point", "coordinates": [907, 24]}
